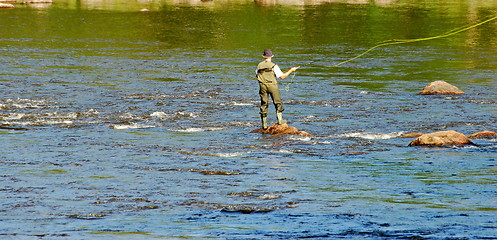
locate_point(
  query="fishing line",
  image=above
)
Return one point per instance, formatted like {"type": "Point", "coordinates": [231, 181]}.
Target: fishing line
{"type": "Point", "coordinates": [291, 81]}
{"type": "Point", "coordinates": [293, 76]}
{"type": "Point", "coordinates": [403, 41]}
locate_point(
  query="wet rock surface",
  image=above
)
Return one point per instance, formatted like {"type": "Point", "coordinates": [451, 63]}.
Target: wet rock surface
{"type": "Point", "coordinates": [441, 88]}
{"type": "Point", "coordinates": [245, 208]}
{"type": "Point", "coordinates": [443, 138]}
{"type": "Point", "coordinates": [483, 135]}
{"type": "Point", "coordinates": [282, 129]}
{"type": "Point", "coordinates": [411, 135]}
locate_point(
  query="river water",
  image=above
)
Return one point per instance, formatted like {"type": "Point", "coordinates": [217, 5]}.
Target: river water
{"type": "Point", "coordinates": [117, 123]}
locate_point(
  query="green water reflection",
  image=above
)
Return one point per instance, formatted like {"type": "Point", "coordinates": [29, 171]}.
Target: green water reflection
{"type": "Point", "coordinates": [243, 23]}
{"type": "Point", "coordinates": [313, 32]}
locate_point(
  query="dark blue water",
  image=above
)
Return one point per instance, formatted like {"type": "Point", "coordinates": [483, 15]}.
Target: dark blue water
{"type": "Point", "coordinates": [120, 124]}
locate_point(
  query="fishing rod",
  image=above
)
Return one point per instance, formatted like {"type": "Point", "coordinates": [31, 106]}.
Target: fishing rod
{"type": "Point", "coordinates": [403, 41]}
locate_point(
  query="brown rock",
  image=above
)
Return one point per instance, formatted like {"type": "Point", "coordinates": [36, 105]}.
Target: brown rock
{"type": "Point", "coordinates": [443, 138]}
{"type": "Point", "coordinates": [281, 129]}
{"type": "Point", "coordinates": [441, 88]}
{"type": "Point", "coordinates": [484, 135]}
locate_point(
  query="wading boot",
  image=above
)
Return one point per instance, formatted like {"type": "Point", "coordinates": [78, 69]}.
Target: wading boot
{"type": "Point", "coordinates": [279, 115]}
{"type": "Point", "coordinates": [264, 122]}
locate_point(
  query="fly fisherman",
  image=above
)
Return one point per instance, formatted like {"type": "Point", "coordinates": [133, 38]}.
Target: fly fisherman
{"type": "Point", "coordinates": [267, 74]}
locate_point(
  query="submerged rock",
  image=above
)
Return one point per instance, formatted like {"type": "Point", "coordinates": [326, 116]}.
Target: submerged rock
{"type": "Point", "coordinates": [411, 135]}
{"type": "Point", "coordinates": [281, 129]}
{"type": "Point", "coordinates": [483, 135]}
{"type": "Point", "coordinates": [245, 209]}
{"type": "Point", "coordinates": [240, 208]}
{"type": "Point", "coordinates": [441, 88]}
{"type": "Point", "coordinates": [443, 138]}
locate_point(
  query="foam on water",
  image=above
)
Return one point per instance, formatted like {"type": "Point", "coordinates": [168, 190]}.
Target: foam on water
{"type": "Point", "coordinates": [230, 155]}
{"type": "Point", "coordinates": [196, 129]}
{"type": "Point", "coordinates": [160, 115]}
{"type": "Point", "coordinates": [237, 104]}
{"type": "Point", "coordinates": [299, 138]}
{"type": "Point", "coordinates": [131, 126]}
{"type": "Point", "coordinates": [371, 136]}
{"type": "Point", "coordinates": [24, 103]}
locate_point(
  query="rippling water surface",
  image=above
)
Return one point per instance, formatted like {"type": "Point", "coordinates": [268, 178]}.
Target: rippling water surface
{"type": "Point", "coordinates": [121, 124]}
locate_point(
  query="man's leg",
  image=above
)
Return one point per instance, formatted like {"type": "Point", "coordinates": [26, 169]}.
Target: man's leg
{"type": "Point", "coordinates": [278, 103]}
{"type": "Point", "coordinates": [263, 93]}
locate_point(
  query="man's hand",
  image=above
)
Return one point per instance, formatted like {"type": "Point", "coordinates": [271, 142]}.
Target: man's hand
{"type": "Point", "coordinates": [293, 69]}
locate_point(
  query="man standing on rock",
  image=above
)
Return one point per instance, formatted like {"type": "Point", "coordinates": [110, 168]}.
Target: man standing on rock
{"type": "Point", "coordinates": [267, 74]}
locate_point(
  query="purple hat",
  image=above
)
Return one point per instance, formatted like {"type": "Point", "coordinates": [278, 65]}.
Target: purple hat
{"type": "Point", "coordinates": [268, 53]}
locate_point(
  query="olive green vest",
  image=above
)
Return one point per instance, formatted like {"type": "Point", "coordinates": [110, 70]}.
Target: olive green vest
{"type": "Point", "coordinates": [265, 72]}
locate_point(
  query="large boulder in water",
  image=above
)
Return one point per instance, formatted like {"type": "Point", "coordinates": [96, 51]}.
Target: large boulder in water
{"type": "Point", "coordinates": [443, 138]}
{"type": "Point", "coordinates": [281, 129]}
{"type": "Point", "coordinates": [483, 135]}
{"type": "Point", "coordinates": [441, 88]}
